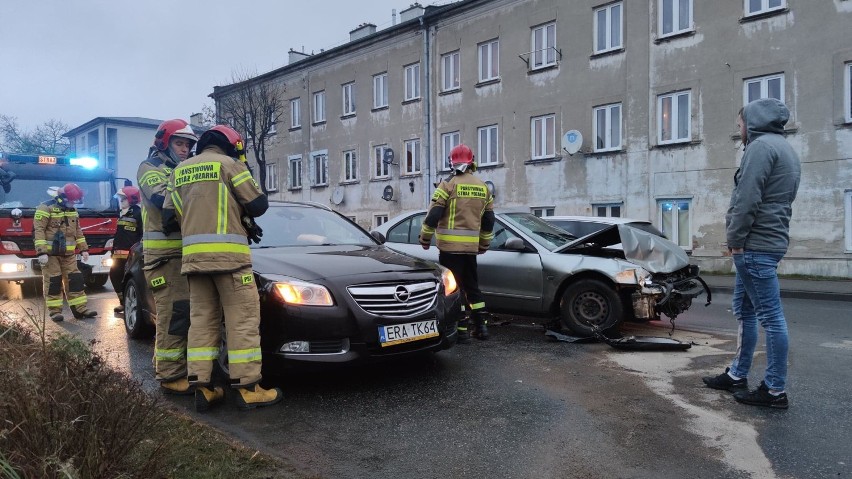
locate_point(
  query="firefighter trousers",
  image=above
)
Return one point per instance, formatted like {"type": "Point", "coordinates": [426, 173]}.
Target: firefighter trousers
{"type": "Point", "coordinates": [116, 275]}
{"type": "Point", "coordinates": [235, 295]}
{"type": "Point", "coordinates": [57, 268]}
{"type": "Point", "coordinates": [171, 301]}
{"type": "Point", "coordinates": [464, 268]}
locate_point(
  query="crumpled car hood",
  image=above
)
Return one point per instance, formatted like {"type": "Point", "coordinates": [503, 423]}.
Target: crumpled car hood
{"type": "Point", "coordinates": [653, 253]}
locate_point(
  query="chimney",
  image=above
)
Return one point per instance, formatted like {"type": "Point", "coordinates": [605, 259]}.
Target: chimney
{"type": "Point", "coordinates": [363, 30]}
{"type": "Point", "coordinates": [393, 17]}
{"type": "Point", "coordinates": [195, 120]}
{"type": "Point", "coordinates": [410, 13]}
{"type": "Point", "coordinates": [294, 56]}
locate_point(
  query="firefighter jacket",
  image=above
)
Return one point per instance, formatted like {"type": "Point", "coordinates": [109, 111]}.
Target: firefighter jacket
{"type": "Point", "coordinates": [210, 195]}
{"type": "Point", "coordinates": [56, 229]}
{"type": "Point", "coordinates": [128, 232]}
{"type": "Point", "coordinates": [153, 177]}
{"type": "Point", "coordinates": [461, 215]}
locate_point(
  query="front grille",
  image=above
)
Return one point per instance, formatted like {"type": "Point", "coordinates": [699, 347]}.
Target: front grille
{"type": "Point", "coordinates": [395, 300]}
{"type": "Point", "coordinates": [327, 347]}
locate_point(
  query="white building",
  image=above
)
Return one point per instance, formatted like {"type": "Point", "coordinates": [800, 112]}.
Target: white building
{"type": "Point", "coordinates": [118, 143]}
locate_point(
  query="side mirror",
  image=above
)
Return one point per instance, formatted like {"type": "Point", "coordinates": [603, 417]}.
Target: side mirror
{"type": "Point", "coordinates": [378, 236]}
{"type": "Point", "coordinates": [515, 244]}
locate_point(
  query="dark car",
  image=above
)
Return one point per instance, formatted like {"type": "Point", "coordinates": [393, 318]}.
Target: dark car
{"type": "Point", "coordinates": [329, 292]}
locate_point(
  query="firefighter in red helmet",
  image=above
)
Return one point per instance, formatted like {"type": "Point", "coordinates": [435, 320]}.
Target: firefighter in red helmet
{"type": "Point", "coordinates": [162, 252]}
{"type": "Point", "coordinates": [58, 238]}
{"type": "Point", "coordinates": [461, 217]}
{"type": "Point", "coordinates": [213, 201]}
{"type": "Point", "coordinates": [128, 232]}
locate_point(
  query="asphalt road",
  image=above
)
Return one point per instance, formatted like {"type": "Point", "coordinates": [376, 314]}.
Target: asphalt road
{"type": "Point", "coordinates": [522, 406]}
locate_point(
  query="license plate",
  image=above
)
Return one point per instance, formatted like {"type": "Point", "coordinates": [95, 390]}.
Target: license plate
{"type": "Point", "coordinates": [404, 333]}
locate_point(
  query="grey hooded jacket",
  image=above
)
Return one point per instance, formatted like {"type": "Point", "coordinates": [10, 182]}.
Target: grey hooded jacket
{"type": "Point", "coordinates": [766, 183]}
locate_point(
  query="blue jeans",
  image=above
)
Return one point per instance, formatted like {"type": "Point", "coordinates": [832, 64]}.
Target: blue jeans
{"type": "Point", "coordinates": [757, 297]}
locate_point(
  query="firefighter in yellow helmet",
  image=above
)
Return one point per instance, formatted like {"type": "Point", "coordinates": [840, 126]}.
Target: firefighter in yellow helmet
{"type": "Point", "coordinates": [57, 236]}
{"type": "Point", "coordinates": [172, 143]}
{"type": "Point", "coordinates": [461, 216]}
{"type": "Point", "coordinates": [213, 201]}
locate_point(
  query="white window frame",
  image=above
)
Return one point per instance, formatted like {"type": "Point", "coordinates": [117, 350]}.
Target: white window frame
{"type": "Point", "coordinates": [412, 157]}
{"type": "Point", "coordinates": [249, 119]}
{"type": "Point", "coordinates": [272, 129]}
{"type": "Point", "coordinates": [449, 141]}
{"type": "Point", "coordinates": [847, 89]}
{"type": "Point", "coordinates": [610, 142]}
{"type": "Point", "coordinates": [847, 200]}
{"type": "Point", "coordinates": [319, 168]}
{"type": "Point", "coordinates": [294, 181]}
{"type": "Point", "coordinates": [379, 220]}
{"type": "Point", "coordinates": [543, 54]}
{"type": "Point", "coordinates": [675, 117]}
{"type": "Point", "coordinates": [608, 209]}
{"type": "Point", "coordinates": [674, 234]}
{"type": "Point", "coordinates": [764, 86]}
{"type": "Point", "coordinates": [450, 71]}
{"type": "Point", "coordinates": [272, 177]}
{"type": "Point", "coordinates": [609, 29]}
{"type": "Point", "coordinates": [380, 90]}
{"type": "Point", "coordinates": [543, 211]}
{"type": "Point", "coordinates": [412, 81]}
{"type": "Point", "coordinates": [489, 60]}
{"type": "Point", "coordinates": [542, 146]}
{"type": "Point", "coordinates": [350, 165]}
{"type": "Point", "coordinates": [764, 7]}
{"type": "Point", "coordinates": [677, 28]}
{"type": "Point", "coordinates": [296, 113]}
{"type": "Point", "coordinates": [486, 136]}
{"type": "Point", "coordinates": [381, 170]}
{"type": "Point", "coordinates": [348, 97]}
{"type": "Point", "coordinates": [319, 106]}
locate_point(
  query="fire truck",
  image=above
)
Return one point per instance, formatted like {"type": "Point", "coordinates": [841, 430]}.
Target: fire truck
{"type": "Point", "coordinates": [26, 181]}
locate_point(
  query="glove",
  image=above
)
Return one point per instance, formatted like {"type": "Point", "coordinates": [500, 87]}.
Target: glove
{"type": "Point", "coordinates": [85, 255]}
{"type": "Point", "coordinates": [253, 231]}
{"type": "Point", "coordinates": [423, 244]}
{"type": "Point", "coordinates": [42, 259]}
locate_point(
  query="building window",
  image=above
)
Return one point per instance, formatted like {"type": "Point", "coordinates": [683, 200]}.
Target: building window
{"type": "Point", "coordinates": [608, 28]}
{"type": "Point", "coordinates": [451, 67]}
{"type": "Point", "coordinates": [754, 7]}
{"type": "Point", "coordinates": [673, 117]}
{"type": "Point", "coordinates": [412, 157]}
{"type": "Point", "coordinates": [319, 107]}
{"type": "Point", "coordinates": [448, 142]}
{"type": "Point", "coordinates": [848, 90]}
{"type": "Point", "coordinates": [608, 210]}
{"type": "Point", "coordinates": [271, 177]}
{"type": "Point", "coordinates": [380, 90]}
{"type": "Point", "coordinates": [489, 60]}
{"type": "Point", "coordinates": [544, 46]}
{"type": "Point", "coordinates": [412, 82]}
{"type": "Point", "coordinates": [848, 202]}
{"type": "Point", "coordinates": [379, 220]}
{"type": "Point", "coordinates": [94, 145]}
{"type": "Point", "coordinates": [771, 86]}
{"type": "Point", "coordinates": [348, 99]}
{"type": "Point", "coordinates": [488, 145]}
{"type": "Point", "coordinates": [350, 165]}
{"type": "Point", "coordinates": [319, 167]}
{"type": "Point", "coordinates": [249, 125]}
{"type": "Point", "coordinates": [607, 127]}
{"type": "Point", "coordinates": [543, 211]}
{"type": "Point", "coordinates": [295, 113]}
{"type": "Point", "coordinates": [542, 134]}
{"type": "Point", "coordinates": [674, 218]}
{"type": "Point", "coordinates": [381, 169]}
{"type": "Point", "coordinates": [675, 17]}
{"type": "Point", "coordinates": [112, 149]}
{"type": "Point", "coordinates": [272, 129]}
{"type": "Point", "coordinates": [295, 171]}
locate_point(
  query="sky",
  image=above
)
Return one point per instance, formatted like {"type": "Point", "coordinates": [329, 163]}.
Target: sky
{"type": "Point", "coordinates": [75, 60]}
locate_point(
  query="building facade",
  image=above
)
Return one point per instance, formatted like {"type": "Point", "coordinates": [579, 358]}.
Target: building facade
{"type": "Point", "coordinates": [652, 86]}
{"type": "Point", "coordinates": [118, 143]}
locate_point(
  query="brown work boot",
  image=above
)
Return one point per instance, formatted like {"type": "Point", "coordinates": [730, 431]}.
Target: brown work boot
{"type": "Point", "coordinates": [255, 396]}
{"type": "Point", "coordinates": [83, 313]}
{"type": "Point", "coordinates": [179, 387]}
{"type": "Point", "coordinates": [57, 317]}
{"type": "Point", "coordinates": [205, 397]}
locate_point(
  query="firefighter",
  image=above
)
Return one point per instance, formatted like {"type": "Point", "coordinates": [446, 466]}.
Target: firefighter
{"type": "Point", "coordinates": [127, 234]}
{"type": "Point", "coordinates": [172, 143]}
{"type": "Point", "coordinates": [461, 216]}
{"type": "Point", "coordinates": [57, 236]}
{"type": "Point", "coordinates": [213, 201]}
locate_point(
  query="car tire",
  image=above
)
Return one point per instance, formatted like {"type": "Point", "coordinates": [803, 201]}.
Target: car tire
{"type": "Point", "coordinates": [97, 280]}
{"type": "Point", "coordinates": [136, 322]}
{"type": "Point", "coordinates": [590, 302]}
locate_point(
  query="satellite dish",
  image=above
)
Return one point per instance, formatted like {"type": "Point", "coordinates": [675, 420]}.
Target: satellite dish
{"type": "Point", "coordinates": [387, 194]}
{"type": "Point", "coordinates": [491, 189]}
{"type": "Point", "coordinates": [388, 157]}
{"type": "Point", "coordinates": [337, 196]}
{"type": "Point", "coordinates": [572, 141]}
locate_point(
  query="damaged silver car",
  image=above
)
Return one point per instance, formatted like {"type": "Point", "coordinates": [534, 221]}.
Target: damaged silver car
{"type": "Point", "coordinates": [598, 281]}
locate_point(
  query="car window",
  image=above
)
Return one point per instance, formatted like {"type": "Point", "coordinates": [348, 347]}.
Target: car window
{"type": "Point", "coordinates": [401, 233]}
{"type": "Point", "coordinates": [304, 226]}
{"type": "Point", "coordinates": [542, 232]}
{"type": "Point", "coordinates": [501, 235]}
{"type": "Point", "coordinates": [579, 228]}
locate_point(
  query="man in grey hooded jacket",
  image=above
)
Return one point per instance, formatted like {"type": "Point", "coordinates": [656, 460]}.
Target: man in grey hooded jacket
{"type": "Point", "coordinates": [757, 227]}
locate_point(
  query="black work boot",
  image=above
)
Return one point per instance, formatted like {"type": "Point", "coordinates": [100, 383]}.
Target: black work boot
{"type": "Point", "coordinates": [463, 331]}
{"type": "Point", "coordinates": [84, 314]}
{"type": "Point", "coordinates": [725, 382]}
{"type": "Point", "coordinates": [480, 326]}
{"type": "Point", "coordinates": [57, 317]}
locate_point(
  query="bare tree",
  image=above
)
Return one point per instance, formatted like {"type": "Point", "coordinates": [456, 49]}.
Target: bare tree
{"type": "Point", "coordinates": [45, 139]}
{"type": "Point", "coordinates": [252, 106]}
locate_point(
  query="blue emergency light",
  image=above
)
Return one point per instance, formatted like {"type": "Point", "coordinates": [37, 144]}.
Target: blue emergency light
{"type": "Point", "coordinates": [84, 161]}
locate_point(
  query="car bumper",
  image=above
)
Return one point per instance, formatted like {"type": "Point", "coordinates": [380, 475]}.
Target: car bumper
{"type": "Point", "coordinates": [13, 268]}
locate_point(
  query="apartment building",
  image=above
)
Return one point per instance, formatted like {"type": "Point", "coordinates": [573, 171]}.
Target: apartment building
{"type": "Point", "coordinates": [653, 87]}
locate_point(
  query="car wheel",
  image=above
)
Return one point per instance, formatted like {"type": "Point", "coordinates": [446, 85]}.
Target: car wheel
{"type": "Point", "coordinates": [590, 302]}
{"type": "Point", "coordinates": [135, 322]}
{"type": "Point", "coordinates": [97, 280]}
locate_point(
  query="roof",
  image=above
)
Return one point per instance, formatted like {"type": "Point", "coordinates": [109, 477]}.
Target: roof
{"type": "Point", "coordinates": [133, 121]}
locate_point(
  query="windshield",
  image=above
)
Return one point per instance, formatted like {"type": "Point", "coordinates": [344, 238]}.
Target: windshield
{"type": "Point", "coordinates": [540, 231]}
{"type": "Point", "coordinates": [31, 192]}
{"type": "Point", "coordinates": [306, 225]}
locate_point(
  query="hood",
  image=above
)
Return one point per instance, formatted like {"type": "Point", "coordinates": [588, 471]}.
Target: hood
{"type": "Point", "coordinates": [649, 251]}
{"type": "Point", "coordinates": [318, 262]}
{"type": "Point", "coordinates": [766, 115]}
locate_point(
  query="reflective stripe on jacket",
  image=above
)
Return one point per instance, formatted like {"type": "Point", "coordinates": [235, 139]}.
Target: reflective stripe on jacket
{"type": "Point", "coordinates": [153, 177]}
{"type": "Point", "coordinates": [465, 198]}
{"type": "Point", "coordinates": [52, 217]}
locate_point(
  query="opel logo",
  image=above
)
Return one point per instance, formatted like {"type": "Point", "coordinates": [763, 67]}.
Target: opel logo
{"type": "Point", "coordinates": [401, 294]}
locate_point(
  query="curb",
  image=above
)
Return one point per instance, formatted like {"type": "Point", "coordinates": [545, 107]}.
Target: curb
{"type": "Point", "coordinates": [797, 294]}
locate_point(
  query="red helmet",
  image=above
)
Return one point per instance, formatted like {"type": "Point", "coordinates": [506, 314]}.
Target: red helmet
{"type": "Point", "coordinates": [71, 192]}
{"type": "Point", "coordinates": [172, 128]}
{"type": "Point", "coordinates": [131, 193]}
{"type": "Point", "coordinates": [224, 137]}
{"type": "Point", "coordinates": [461, 155]}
